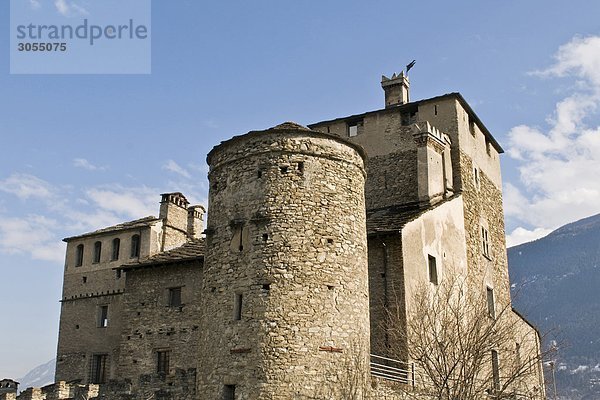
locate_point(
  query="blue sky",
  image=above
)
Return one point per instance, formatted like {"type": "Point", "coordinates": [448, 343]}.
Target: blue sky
{"type": "Point", "coordinates": [80, 152]}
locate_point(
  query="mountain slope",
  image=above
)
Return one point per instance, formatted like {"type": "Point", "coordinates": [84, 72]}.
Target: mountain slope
{"type": "Point", "coordinates": [556, 283]}
{"type": "Point", "coordinates": [40, 376]}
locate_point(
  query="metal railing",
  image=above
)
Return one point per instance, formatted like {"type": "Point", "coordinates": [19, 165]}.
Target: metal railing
{"type": "Point", "coordinates": [392, 370]}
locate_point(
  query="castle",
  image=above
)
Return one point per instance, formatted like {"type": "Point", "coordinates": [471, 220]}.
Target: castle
{"type": "Point", "coordinates": [309, 231]}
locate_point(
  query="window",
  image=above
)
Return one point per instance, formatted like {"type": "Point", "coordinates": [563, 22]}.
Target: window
{"type": "Point", "coordinates": [495, 370]}
{"type": "Point", "coordinates": [135, 246]}
{"type": "Point", "coordinates": [518, 354]}
{"type": "Point", "coordinates": [476, 179]}
{"type": "Point", "coordinates": [102, 316]}
{"type": "Point", "coordinates": [175, 297]}
{"type": "Point", "coordinates": [98, 368]}
{"type": "Point", "coordinates": [491, 303]}
{"type": "Point", "coordinates": [355, 128]}
{"type": "Point", "coordinates": [162, 361]}
{"type": "Point", "coordinates": [237, 307]}
{"type": "Point", "coordinates": [433, 273]}
{"type": "Point", "coordinates": [229, 392]}
{"type": "Point", "coordinates": [97, 252]}
{"type": "Point", "coordinates": [485, 242]}
{"type": "Point", "coordinates": [79, 256]}
{"type": "Point", "coordinates": [116, 245]}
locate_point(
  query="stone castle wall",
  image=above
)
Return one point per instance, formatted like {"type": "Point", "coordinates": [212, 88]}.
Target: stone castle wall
{"type": "Point", "coordinates": [153, 325]}
{"type": "Point", "coordinates": [285, 237]}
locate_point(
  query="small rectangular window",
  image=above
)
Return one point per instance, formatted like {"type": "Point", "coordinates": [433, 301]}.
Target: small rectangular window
{"type": "Point", "coordinates": [175, 297]}
{"type": "Point", "coordinates": [98, 369]}
{"type": "Point", "coordinates": [495, 370]}
{"type": "Point", "coordinates": [229, 392]}
{"type": "Point", "coordinates": [355, 128]}
{"type": "Point", "coordinates": [102, 316]}
{"type": "Point", "coordinates": [476, 178]}
{"type": "Point", "coordinates": [162, 361]}
{"type": "Point", "coordinates": [237, 307]}
{"type": "Point", "coordinates": [491, 302]}
{"type": "Point", "coordinates": [433, 273]}
{"type": "Point", "coordinates": [352, 130]}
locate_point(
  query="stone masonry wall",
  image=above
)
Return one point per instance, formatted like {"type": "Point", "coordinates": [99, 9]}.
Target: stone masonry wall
{"type": "Point", "coordinates": [151, 324]}
{"type": "Point", "coordinates": [386, 290]}
{"type": "Point", "coordinates": [286, 240]}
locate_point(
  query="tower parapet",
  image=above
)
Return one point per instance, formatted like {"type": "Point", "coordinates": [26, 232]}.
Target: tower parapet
{"type": "Point", "coordinates": [396, 89]}
{"type": "Point", "coordinates": [285, 278]}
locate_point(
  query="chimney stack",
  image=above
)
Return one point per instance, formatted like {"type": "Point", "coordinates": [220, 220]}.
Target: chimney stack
{"type": "Point", "coordinates": [396, 89]}
{"type": "Point", "coordinates": [195, 221]}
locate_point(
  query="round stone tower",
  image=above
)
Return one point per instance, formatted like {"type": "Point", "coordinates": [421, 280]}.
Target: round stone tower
{"type": "Point", "coordinates": [285, 293]}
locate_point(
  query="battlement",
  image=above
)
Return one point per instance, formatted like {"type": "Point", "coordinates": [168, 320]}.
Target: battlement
{"type": "Point", "coordinates": [396, 89]}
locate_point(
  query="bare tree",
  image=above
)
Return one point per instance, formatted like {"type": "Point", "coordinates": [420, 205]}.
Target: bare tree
{"type": "Point", "coordinates": [463, 347]}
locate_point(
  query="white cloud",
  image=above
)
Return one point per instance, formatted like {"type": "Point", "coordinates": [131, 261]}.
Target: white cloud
{"type": "Point", "coordinates": [522, 235]}
{"type": "Point", "coordinates": [559, 163]}
{"type": "Point", "coordinates": [85, 164]}
{"type": "Point", "coordinates": [34, 4]}
{"type": "Point", "coordinates": [34, 235]}
{"type": "Point", "coordinates": [26, 186]}
{"type": "Point", "coordinates": [134, 202]}
{"type": "Point", "coordinates": [68, 9]}
{"type": "Point", "coordinates": [172, 166]}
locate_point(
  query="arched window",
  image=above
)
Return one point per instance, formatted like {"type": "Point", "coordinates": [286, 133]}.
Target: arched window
{"type": "Point", "coordinates": [97, 252]}
{"type": "Point", "coordinates": [116, 244]}
{"type": "Point", "coordinates": [135, 246]}
{"type": "Point", "coordinates": [79, 256]}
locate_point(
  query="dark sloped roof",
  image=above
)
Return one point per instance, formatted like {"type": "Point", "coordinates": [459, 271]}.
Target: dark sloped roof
{"type": "Point", "coordinates": [192, 250]}
{"type": "Point", "coordinates": [138, 223]}
{"type": "Point", "coordinates": [393, 218]}
{"type": "Point", "coordinates": [408, 106]}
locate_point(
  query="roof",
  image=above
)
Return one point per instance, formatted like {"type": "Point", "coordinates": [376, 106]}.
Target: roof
{"type": "Point", "coordinates": [394, 218]}
{"type": "Point", "coordinates": [190, 251]}
{"type": "Point", "coordinates": [407, 106]}
{"type": "Point", "coordinates": [286, 127]}
{"type": "Point", "coordinates": [135, 224]}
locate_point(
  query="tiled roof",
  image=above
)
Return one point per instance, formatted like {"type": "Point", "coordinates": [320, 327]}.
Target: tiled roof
{"type": "Point", "coordinates": [192, 250]}
{"type": "Point", "coordinates": [393, 218]}
{"type": "Point", "coordinates": [289, 125]}
{"type": "Point", "coordinates": [138, 223]}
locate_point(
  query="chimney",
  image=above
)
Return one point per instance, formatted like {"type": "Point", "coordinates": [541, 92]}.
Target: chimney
{"type": "Point", "coordinates": [396, 89]}
{"type": "Point", "coordinates": [195, 221]}
{"type": "Point", "coordinates": [174, 215]}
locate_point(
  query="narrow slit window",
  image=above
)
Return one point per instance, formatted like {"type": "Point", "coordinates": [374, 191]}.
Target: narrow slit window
{"type": "Point", "coordinates": [237, 307]}
{"type": "Point", "coordinates": [97, 252]}
{"type": "Point", "coordinates": [79, 256]}
{"type": "Point", "coordinates": [491, 302]}
{"type": "Point", "coordinates": [495, 370]}
{"type": "Point", "coordinates": [135, 246]}
{"type": "Point", "coordinates": [116, 244]}
{"type": "Point", "coordinates": [433, 272]}
{"type": "Point", "coordinates": [102, 316]}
